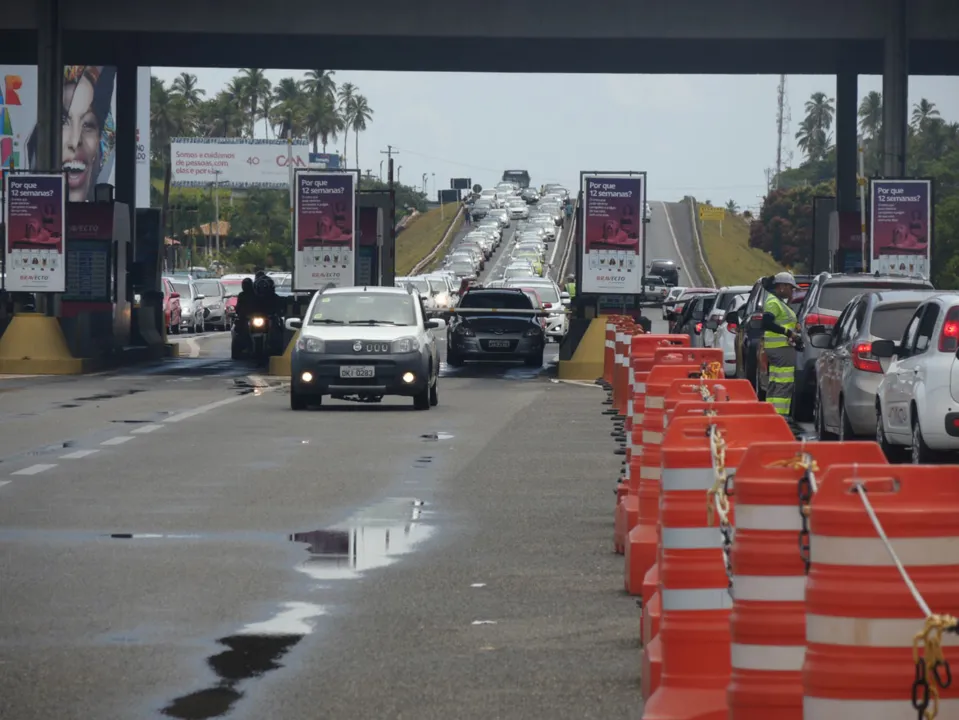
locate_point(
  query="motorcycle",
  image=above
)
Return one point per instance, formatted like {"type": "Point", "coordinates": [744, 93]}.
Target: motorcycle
{"type": "Point", "coordinates": [256, 341]}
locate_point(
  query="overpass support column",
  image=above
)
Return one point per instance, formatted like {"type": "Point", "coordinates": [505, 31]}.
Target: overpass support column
{"type": "Point", "coordinates": [895, 89]}
{"type": "Point", "coordinates": [126, 149]}
{"type": "Point", "coordinates": [847, 90]}
{"type": "Point", "coordinates": [50, 87]}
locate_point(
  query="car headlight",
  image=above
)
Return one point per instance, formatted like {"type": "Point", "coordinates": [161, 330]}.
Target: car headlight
{"type": "Point", "coordinates": [310, 345]}
{"type": "Point", "coordinates": [464, 331]}
{"type": "Point", "coordinates": [443, 299]}
{"type": "Point", "coordinates": [533, 332]}
{"type": "Point", "coordinates": [405, 345]}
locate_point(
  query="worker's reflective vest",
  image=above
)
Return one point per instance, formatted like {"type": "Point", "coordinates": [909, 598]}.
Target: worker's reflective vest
{"type": "Point", "coordinates": [782, 315]}
{"type": "Point", "coordinates": [571, 289]}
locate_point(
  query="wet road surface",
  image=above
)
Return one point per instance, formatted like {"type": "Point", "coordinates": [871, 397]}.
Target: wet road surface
{"type": "Point", "coordinates": [175, 542]}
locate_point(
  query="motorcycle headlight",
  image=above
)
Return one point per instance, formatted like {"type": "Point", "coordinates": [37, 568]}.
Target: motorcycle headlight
{"type": "Point", "coordinates": [310, 345]}
{"type": "Point", "coordinates": [258, 322]}
{"type": "Point", "coordinates": [405, 345]}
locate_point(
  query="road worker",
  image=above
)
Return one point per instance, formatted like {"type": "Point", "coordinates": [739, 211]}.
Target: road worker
{"type": "Point", "coordinates": [779, 341]}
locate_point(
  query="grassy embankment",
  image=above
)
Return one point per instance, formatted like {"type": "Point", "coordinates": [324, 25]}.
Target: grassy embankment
{"type": "Point", "coordinates": [422, 235]}
{"type": "Point", "coordinates": [730, 258]}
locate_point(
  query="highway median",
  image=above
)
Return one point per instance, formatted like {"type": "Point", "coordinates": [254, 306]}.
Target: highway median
{"type": "Point", "coordinates": [730, 258]}
{"type": "Point", "coordinates": [426, 236]}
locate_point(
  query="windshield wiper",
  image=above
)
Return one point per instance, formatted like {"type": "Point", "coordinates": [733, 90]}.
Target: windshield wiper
{"type": "Point", "coordinates": [328, 321]}
{"type": "Point", "coordinates": [374, 322]}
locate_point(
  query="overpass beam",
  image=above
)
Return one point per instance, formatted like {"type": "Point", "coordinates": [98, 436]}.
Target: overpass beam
{"type": "Point", "coordinates": [847, 106]}
{"type": "Point", "coordinates": [126, 148]}
{"type": "Point", "coordinates": [895, 89]}
{"type": "Point", "coordinates": [50, 87]}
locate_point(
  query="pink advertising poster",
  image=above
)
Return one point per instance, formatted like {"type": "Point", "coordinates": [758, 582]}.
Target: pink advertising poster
{"type": "Point", "coordinates": [613, 231]}
{"type": "Point", "coordinates": [901, 228]}
{"type": "Point", "coordinates": [324, 229]}
{"type": "Point", "coordinates": [33, 215]}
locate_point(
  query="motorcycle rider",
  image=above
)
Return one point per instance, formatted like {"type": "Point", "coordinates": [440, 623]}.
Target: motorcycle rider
{"type": "Point", "coordinates": [245, 307]}
{"type": "Point", "coordinates": [269, 304]}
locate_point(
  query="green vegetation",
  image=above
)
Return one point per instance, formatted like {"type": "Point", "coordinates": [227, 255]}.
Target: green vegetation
{"type": "Point", "coordinates": [730, 258]}
{"type": "Point", "coordinates": [259, 220]}
{"type": "Point", "coordinates": [784, 226]}
{"type": "Point", "coordinates": [422, 235]}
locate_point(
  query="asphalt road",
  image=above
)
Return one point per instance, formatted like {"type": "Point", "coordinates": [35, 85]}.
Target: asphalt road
{"type": "Point", "coordinates": [175, 542]}
{"type": "Point", "coordinates": [669, 236]}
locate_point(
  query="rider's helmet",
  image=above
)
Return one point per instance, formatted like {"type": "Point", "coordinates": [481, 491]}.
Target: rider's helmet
{"type": "Point", "coordinates": [263, 285]}
{"type": "Point", "coordinates": [247, 285]}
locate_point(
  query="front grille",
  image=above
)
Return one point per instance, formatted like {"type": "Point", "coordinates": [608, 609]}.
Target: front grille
{"type": "Point", "coordinates": [369, 347]}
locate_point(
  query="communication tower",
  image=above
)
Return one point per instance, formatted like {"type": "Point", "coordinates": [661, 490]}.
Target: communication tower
{"type": "Point", "coordinates": [783, 120]}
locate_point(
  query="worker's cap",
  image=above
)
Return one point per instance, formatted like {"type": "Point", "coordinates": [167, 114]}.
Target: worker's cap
{"type": "Point", "coordinates": [785, 278]}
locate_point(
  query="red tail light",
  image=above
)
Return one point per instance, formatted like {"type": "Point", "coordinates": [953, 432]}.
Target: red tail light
{"type": "Point", "coordinates": [699, 328]}
{"type": "Point", "coordinates": [731, 327]}
{"type": "Point", "coordinates": [817, 319]}
{"type": "Point", "coordinates": [949, 339]}
{"type": "Point", "coordinates": [863, 359]}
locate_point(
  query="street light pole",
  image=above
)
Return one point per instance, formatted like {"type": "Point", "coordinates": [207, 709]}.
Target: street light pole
{"type": "Point", "coordinates": [398, 170]}
{"type": "Point", "coordinates": [381, 171]}
{"type": "Point", "coordinates": [424, 187]}
{"type": "Point", "coordinates": [216, 208]}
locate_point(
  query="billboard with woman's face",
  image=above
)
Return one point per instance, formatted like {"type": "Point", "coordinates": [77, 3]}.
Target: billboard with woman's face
{"type": "Point", "coordinates": [88, 142]}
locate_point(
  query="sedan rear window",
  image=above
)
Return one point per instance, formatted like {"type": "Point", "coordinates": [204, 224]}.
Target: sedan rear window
{"type": "Point", "coordinates": [836, 297]}
{"type": "Point", "coordinates": [889, 321]}
{"type": "Point", "coordinates": [496, 300]}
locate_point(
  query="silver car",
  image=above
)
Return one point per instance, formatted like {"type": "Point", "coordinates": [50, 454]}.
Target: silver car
{"type": "Point", "coordinates": [364, 344]}
{"type": "Point", "coordinates": [847, 373]}
{"type": "Point", "coordinates": [214, 303]}
{"type": "Point", "coordinates": [192, 313]}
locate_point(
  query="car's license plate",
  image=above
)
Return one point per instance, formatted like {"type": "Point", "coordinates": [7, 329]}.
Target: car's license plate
{"type": "Point", "coordinates": [499, 343]}
{"type": "Point", "coordinates": [357, 371]}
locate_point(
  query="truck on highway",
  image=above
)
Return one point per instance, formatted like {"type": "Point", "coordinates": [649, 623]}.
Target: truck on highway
{"type": "Point", "coordinates": [520, 177]}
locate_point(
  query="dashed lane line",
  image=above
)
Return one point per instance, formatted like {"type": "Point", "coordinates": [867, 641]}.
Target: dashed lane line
{"type": "Point", "coordinates": [145, 430]}
{"type": "Point", "coordinates": [34, 469]}
{"type": "Point", "coordinates": [77, 454]}
{"type": "Point", "coordinates": [4, 482]}
{"type": "Point", "coordinates": [118, 440]}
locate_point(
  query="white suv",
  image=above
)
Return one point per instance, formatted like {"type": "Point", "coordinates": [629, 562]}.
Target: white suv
{"type": "Point", "coordinates": [917, 402]}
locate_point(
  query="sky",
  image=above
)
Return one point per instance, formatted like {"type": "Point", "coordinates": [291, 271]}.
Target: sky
{"type": "Point", "coordinates": [710, 136]}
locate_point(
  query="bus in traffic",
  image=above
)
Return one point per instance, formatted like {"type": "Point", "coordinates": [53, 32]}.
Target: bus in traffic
{"type": "Point", "coordinates": [520, 177]}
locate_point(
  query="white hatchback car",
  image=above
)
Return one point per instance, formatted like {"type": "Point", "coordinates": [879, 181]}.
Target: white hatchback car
{"type": "Point", "coordinates": [557, 321]}
{"type": "Point", "coordinates": [724, 335]}
{"type": "Point", "coordinates": [917, 402]}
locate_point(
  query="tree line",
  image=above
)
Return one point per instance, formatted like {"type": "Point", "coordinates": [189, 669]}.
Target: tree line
{"type": "Point", "coordinates": [315, 108]}
{"type": "Point", "coordinates": [784, 227]}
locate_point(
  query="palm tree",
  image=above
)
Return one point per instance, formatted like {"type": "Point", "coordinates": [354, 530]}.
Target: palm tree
{"type": "Point", "coordinates": [255, 88]}
{"type": "Point", "coordinates": [222, 116]}
{"type": "Point", "coordinates": [820, 110]}
{"type": "Point", "coordinates": [922, 113]}
{"type": "Point", "coordinates": [169, 118]}
{"type": "Point", "coordinates": [290, 108]}
{"type": "Point", "coordinates": [870, 115]}
{"type": "Point", "coordinates": [360, 114]}
{"type": "Point", "coordinates": [345, 96]}
{"type": "Point", "coordinates": [323, 120]}
{"type": "Point", "coordinates": [731, 207]}
{"type": "Point", "coordinates": [184, 85]}
{"type": "Point", "coordinates": [813, 135]}
{"type": "Point", "coordinates": [320, 82]}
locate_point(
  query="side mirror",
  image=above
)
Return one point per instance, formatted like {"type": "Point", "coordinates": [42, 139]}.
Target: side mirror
{"type": "Point", "coordinates": [431, 324]}
{"type": "Point", "coordinates": [201, 297]}
{"type": "Point", "coordinates": [884, 348]}
{"type": "Point", "coordinates": [755, 322]}
{"type": "Point", "coordinates": [293, 323]}
{"type": "Point", "coordinates": [712, 324]}
{"type": "Point", "coordinates": [547, 306]}
{"type": "Point", "coordinates": [818, 330]}
{"type": "Point", "coordinates": [732, 318]}
{"type": "Point", "coordinates": [174, 296]}
{"type": "Point", "coordinates": [820, 340]}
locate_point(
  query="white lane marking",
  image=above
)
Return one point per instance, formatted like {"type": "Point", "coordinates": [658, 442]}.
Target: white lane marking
{"type": "Point", "coordinates": [508, 244]}
{"type": "Point", "coordinates": [77, 454]}
{"type": "Point", "coordinates": [4, 482]}
{"type": "Point", "coordinates": [556, 243]}
{"type": "Point", "coordinates": [119, 440]}
{"type": "Point", "coordinates": [580, 383]}
{"type": "Point", "coordinates": [679, 253]}
{"type": "Point", "coordinates": [193, 349]}
{"type": "Point", "coordinates": [34, 469]}
{"type": "Point", "coordinates": [146, 429]}
{"type": "Point", "coordinates": [206, 408]}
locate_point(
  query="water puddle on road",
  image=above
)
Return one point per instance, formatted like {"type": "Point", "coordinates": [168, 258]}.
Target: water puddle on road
{"type": "Point", "coordinates": [251, 653]}
{"type": "Point", "coordinates": [109, 396]}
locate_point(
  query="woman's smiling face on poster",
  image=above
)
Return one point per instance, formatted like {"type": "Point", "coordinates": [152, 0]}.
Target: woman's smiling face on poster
{"type": "Point", "coordinates": [81, 138]}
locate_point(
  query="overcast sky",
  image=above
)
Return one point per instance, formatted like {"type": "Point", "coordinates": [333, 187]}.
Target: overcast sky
{"type": "Point", "coordinates": [711, 136]}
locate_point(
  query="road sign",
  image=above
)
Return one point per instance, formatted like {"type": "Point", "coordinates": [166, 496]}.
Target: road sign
{"type": "Point", "coordinates": [708, 212]}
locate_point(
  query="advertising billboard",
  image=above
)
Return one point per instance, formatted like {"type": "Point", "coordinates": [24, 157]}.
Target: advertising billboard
{"type": "Point", "coordinates": [324, 219]}
{"type": "Point", "coordinates": [328, 161]}
{"type": "Point", "coordinates": [89, 126]}
{"type": "Point", "coordinates": [613, 232]}
{"type": "Point", "coordinates": [901, 228]}
{"type": "Point", "coordinates": [236, 162]}
{"type": "Point", "coordinates": [461, 183]}
{"type": "Point", "coordinates": [33, 216]}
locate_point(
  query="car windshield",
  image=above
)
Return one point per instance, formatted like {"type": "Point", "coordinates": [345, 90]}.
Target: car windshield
{"type": "Point", "coordinates": [836, 296]}
{"type": "Point", "coordinates": [183, 289]}
{"type": "Point", "coordinates": [462, 266]}
{"type": "Point", "coordinates": [209, 288]}
{"type": "Point", "coordinates": [366, 309]}
{"type": "Point", "coordinates": [422, 286]}
{"type": "Point", "coordinates": [547, 293]}
{"type": "Point", "coordinates": [726, 301]}
{"type": "Point", "coordinates": [496, 300]}
{"type": "Point", "coordinates": [889, 321]}
{"type": "Point", "coordinates": [232, 289]}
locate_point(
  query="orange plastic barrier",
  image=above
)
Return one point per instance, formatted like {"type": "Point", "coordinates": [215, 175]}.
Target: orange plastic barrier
{"type": "Point", "coordinates": [691, 652]}
{"type": "Point", "coordinates": [768, 621]}
{"type": "Point", "coordinates": [624, 334]}
{"type": "Point", "coordinates": [609, 351]}
{"type": "Point", "coordinates": [657, 383]}
{"type": "Point", "coordinates": [644, 479]}
{"type": "Point", "coordinates": [642, 544]}
{"type": "Point", "coordinates": [861, 617]}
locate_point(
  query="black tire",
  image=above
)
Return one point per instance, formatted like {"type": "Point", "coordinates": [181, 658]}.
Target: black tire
{"type": "Point", "coordinates": [820, 423]}
{"type": "Point", "coordinates": [846, 433]}
{"type": "Point", "coordinates": [421, 401]}
{"type": "Point", "coordinates": [452, 359]}
{"type": "Point", "coordinates": [922, 454]}
{"type": "Point", "coordinates": [434, 393]}
{"type": "Point", "coordinates": [297, 401]}
{"type": "Point", "coordinates": [893, 453]}
{"type": "Point", "coordinates": [535, 360]}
